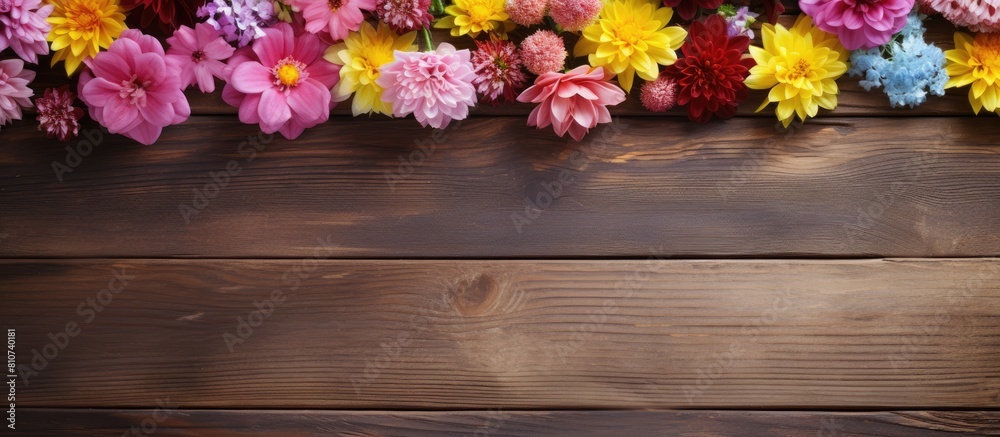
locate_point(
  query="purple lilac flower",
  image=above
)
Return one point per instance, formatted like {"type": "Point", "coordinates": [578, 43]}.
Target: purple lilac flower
{"type": "Point", "coordinates": [739, 20]}
{"type": "Point", "coordinates": [241, 21]}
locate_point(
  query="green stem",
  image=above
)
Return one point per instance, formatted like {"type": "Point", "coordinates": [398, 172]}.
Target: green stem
{"type": "Point", "coordinates": [437, 7]}
{"type": "Point", "coordinates": [427, 39]}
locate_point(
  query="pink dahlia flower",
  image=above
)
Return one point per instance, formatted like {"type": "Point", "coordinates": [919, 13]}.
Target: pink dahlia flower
{"type": "Point", "coordinates": [199, 52]}
{"type": "Point", "coordinates": [23, 28]}
{"type": "Point", "coordinates": [133, 89]}
{"type": "Point", "coordinates": [281, 81]}
{"type": "Point", "coordinates": [978, 15]}
{"type": "Point", "coordinates": [14, 91]}
{"type": "Point", "coordinates": [335, 17]}
{"type": "Point", "coordinates": [436, 87]}
{"type": "Point", "coordinates": [860, 24]}
{"type": "Point", "coordinates": [56, 114]}
{"type": "Point", "coordinates": [575, 15]}
{"type": "Point", "coordinates": [574, 101]}
{"type": "Point", "coordinates": [404, 15]}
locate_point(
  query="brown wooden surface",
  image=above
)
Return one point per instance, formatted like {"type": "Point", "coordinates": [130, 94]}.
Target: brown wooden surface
{"type": "Point", "coordinates": [923, 187]}
{"type": "Point", "coordinates": [516, 334]}
{"type": "Point", "coordinates": [454, 341]}
{"type": "Point", "coordinates": [499, 422]}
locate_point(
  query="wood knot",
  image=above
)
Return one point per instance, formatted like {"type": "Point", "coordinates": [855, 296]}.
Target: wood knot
{"type": "Point", "coordinates": [475, 297]}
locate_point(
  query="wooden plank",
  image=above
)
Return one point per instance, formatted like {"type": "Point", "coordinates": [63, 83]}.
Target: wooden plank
{"type": "Point", "coordinates": [498, 422]}
{"type": "Point", "coordinates": [871, 334]}
{"type": "Point", "coordinates": [497, 188]}
{"type": "Point", "coordinates": [853, 100]}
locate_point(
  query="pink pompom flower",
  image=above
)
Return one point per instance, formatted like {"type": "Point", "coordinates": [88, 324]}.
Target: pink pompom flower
{"type": "Point", "coordinates": [573, 102]}
{"type": "Point", "coordinates": [199, 52]}
{"type": "Point", "coordinates": [526, 12]}
{"type": "Point", "coordinates": [335, 17]}
{"type": "Point", "coordinates": [281, 81]}
{"type": "Point", "coordinates": [978, 15]}
{"type": "Point", "coordinates": [575, 15]}
{"type": "Point", "coordinates": [859, 24]}
{"type": "Point", "coordinates": [23, 28]}
{"type": "Point", "coordinates": [133, 89]}
{"type": "Point", "coordinates": [436, 87]}
{"type": "Point", "coordinates": [56, 114]}
{"type": "Point", "coordinates": [14, 91]}
{"type": "Point", "coordinates": [543, 52]}
{"type": "Point", "coordinates": [659, 95]}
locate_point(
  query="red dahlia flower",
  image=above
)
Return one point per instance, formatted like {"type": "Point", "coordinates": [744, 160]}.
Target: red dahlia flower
{"type": "Point", "coordinates": [170, 13]}
{"type": "Point", "coordinates": [711, 73]}
{"type": "Point", "coordinates": [687, 9]}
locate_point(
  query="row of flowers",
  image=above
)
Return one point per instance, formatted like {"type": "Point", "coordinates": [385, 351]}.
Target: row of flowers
{"type": "Point", "coordinates": [286, 63]}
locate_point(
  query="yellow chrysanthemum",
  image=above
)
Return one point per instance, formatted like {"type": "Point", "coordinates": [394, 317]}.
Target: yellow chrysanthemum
{"type": "Point", "coordinates": [361, 55]}
{"type": "Point", "coordinates": [976, 61]}
{"type": "Point", "coordinates": [800, 65]}
{"type": "Point", "coordinates": [474, 16]}
{"type": "Point", "coordinates": [81, 28]}
{"type": "Point", "coordinates": [629, 37]}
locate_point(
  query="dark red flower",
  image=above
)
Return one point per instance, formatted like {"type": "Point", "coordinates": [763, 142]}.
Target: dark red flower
{"type": "Point", "coordinates": [170, 13]}
{"type": "Point", "coordinates": [687, 9]}
{"type": "Point", "coordinates": [710, 75]}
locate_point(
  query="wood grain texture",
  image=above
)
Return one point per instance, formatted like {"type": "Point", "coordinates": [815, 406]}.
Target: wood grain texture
{"type": "Point", "coordinates": [878, 334]}
{"type": "Point", "coordinates": [853, 99]}
{"type": "Point", "coordinates": [499, 423]}
{"type": "Point", "coordinates": [921, 187]}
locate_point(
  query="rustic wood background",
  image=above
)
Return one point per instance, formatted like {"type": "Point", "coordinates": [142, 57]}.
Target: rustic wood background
{"type": "Point", "coordinates": [837, 279]}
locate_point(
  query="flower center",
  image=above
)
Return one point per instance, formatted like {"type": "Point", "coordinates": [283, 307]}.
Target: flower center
{"type": "Point", "coordinates": [198, 56]}
{"type": "Point", "coordinates": [134, 90]}
{"type": "Point", "coordinates": [986, 50]}
{"type": "Point", "coordinates": [480, 13]}
{"type": "Point", "coordinates": [799, 70]}
{"type": "Point", "coordinates": [83, 16]}
{"type": "Point", "coordinates": [289, 72]}
{"type": "Point", "coordinates": [335, 4]}
{"type": "Point", "coordinates": [629, 33]}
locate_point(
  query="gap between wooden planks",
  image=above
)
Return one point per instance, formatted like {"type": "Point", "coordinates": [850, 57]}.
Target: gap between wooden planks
{"type": "Point", "coordinates": [837, 334]}
{"type": "Point", "coordinates": [500, 422]}
{"type": "Point", "coordinates": [495, 188]}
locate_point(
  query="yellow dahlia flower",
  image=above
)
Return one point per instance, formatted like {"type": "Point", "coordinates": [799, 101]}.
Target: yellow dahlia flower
{"type": "Point", "coordinates": [81, 28]}
{"type": "Point", "coordinates": [474, 16]}
{"type": "Point", "coordinates": [976, 61]}
{"type": "Point", "coordinates": [800, 65]}
{"type": "Point", "coordinates": [629, 37]}
{"type": "Point", "coordinates": [361, 55]}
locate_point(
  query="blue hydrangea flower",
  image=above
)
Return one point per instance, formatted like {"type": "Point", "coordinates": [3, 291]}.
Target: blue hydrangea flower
{"type": "Point", "coordinates": [907, 68]}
